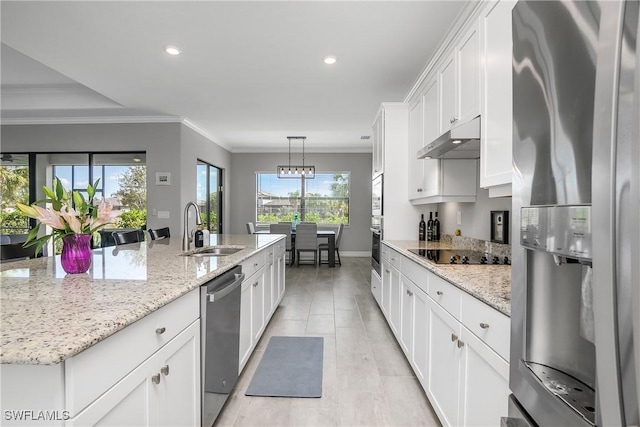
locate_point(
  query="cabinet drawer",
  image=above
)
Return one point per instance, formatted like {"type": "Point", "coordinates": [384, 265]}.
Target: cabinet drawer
{"type": "Point", "coordinates": [491, 326]}
{"type": "Point", "coordinates": [416, 273]}
{"type": "Point", "coordinates": [280, 247]}
{"type": "Point", "coordinates": [395, 258]}
{"type": "Point", "coordinates": [95, 370]}
{"type": "Point", "coordinates": [385, 252]}
{"type": "Point", "coordinates": [445, 294]}
{"type": "Point", "coordinates": [255, 263]}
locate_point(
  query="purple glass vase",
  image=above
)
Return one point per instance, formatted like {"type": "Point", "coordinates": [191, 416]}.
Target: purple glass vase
{"type": "Point", "coordinates": [76, 253]}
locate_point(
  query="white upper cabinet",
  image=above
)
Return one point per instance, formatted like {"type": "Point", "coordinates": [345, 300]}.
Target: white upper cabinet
{"type": "Point", "coordinates": [468, 76]}
{"type": "Point", "coordinates": [435, 181]}
{"type": "Point", "coordinates": [459, 82]}
{"type": "Point", "coordinates": [378, 145]}
{"type": "Point", "coordinates": [447, 93]}
{"type": "Point", "coordinates": [416, 166]}
{"type": "Point", "coordinates": [496, 103]}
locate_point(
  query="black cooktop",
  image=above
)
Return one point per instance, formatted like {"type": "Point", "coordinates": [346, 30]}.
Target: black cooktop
{"type": "Point", "coordinates": [460, 256]}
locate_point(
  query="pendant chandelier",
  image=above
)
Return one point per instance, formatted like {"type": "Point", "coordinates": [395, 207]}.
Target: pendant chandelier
{"type": "Point", "coordinates": [296, 171]}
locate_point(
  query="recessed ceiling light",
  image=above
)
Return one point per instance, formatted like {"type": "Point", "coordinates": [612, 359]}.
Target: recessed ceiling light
{"type": "Point", "coordinates": [456, 141]}
{"type": "Point", "coordinates": [137, 159]}
{"type": "Point", "coordinates": [329, 60]}
{"type": "Point", "coordinates": [172, 50]}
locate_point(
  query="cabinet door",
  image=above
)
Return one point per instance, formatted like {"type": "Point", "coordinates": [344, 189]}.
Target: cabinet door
{"type": "Point", "coordinates": [376, 287]}
{"type": "Point", "coordinates": [257, 307]}
{"type": "Point", "coordinates": [496, 77]}
{"type": "Point", "coordinates": [268, 288]}
{"type": "Point", "coordinates": [447, 94]}
{"type": "Point", "coordinates": [468, 76]}
{"type": "Point", "coordinates": [406, 315]}
{"type": "Point", "coordinates": [444, 359]}
{"type": "Point", "coordinates": [245, 322]}
{"type": "Point", "coordinates": [420, 357]}
{"type": "Point", "coordinates": [485, 383]}
{"type": "Point", "coordinates": [282, 277]}
{"type": "Point", "coordinates": [128, 403]}
{"type": "Point", "coordinates": [386, 289]}
{"type": "Point", "coordinates": [378, 145]}
{"type": "Point", "coordinates": [431, 119]}
{"type": "Point", "coordinates": [179, 369]}
{"type": "Point", "coordinates": [416, 165]}
{"type": "Point", "coordinates": [395, 304]}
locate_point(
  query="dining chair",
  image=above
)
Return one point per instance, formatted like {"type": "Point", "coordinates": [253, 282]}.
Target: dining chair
{"type": "Point", "coordinates": [285, 228]}
{"type": "Point", "coordinates": [159, 233]}
{"type": "Point", "coordinates": [306, 240]}
{"type": "Point", "coordinates": [251, 229]}
{"type": "Point", "coordinates": [325, 246]}
{"type": "Point", "coordinates": [125, 237]}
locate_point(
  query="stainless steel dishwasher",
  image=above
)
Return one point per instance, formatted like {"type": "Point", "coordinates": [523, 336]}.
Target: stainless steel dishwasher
{"type": "Point", "coordinates": [220, 342]}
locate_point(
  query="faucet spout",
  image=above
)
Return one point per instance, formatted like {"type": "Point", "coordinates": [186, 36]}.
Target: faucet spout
{"type": "Point", "coordinates": [186, 238]}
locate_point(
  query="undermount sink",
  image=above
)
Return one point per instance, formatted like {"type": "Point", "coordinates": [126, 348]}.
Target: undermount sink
{"type": "Point", "coordinates": [214, 251]}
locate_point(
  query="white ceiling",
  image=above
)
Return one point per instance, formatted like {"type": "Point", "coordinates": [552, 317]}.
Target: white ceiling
{"type": "Point", "coordinates": [249, 75]}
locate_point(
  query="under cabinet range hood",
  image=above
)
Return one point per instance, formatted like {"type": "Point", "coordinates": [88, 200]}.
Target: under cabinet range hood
{"type": "Point", "coordinates": [461, 142]}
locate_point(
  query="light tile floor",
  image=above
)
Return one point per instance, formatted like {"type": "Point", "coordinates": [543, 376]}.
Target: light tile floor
{"type": "Point", "coordinates": [366, 378]}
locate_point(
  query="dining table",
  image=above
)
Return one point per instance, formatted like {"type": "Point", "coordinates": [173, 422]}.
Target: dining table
{"type": "Point", "coordinates": [330, 235]}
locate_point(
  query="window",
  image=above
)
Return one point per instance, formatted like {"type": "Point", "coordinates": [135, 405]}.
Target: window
{"type": "Point", "coordinates": [209, 191]}
{"type": "Point", "coordinates": [123, 182]}
{"type": "Point", "coordinates": [14, 187]}
{"type": "Point", "coordinates": [324, 199]}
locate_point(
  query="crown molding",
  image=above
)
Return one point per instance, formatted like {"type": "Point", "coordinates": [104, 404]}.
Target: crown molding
{"type": "Point", "coordinates": [89, 120]}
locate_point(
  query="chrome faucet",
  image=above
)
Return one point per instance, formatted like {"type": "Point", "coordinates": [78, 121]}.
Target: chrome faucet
{"type": "Point", "coordinates": [186, 238]}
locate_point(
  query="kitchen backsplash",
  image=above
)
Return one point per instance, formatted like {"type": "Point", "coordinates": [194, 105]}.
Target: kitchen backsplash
{"type": "Point", "coordinates": [470, 243]}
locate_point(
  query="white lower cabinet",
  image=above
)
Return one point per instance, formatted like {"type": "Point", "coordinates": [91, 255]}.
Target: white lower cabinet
{"type": "Point", "coordinates": [376, 287]}
{"type": "Point", "coordinates": [163, 390]}
{"type": "Point", "coordinates": [454, 342]}
{"type": "Point", "coordinates": [261, 293]}
{"type": "Point", "coordinates": [420, 356]}
{"type": "Point", "coordinates": [443, 378]}
{"type": "Point", "coordinates": [484, 383]}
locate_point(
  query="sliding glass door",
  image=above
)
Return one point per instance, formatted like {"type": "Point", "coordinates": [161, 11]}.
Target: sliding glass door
{"type": "Point", "coordinates": [209, 191]}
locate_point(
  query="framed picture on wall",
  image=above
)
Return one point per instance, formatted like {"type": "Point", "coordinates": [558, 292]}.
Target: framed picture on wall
{"type": "Point", "coordinates": [163, 178]}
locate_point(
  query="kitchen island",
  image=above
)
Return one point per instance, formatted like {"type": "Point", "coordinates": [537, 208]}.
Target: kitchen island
{"type": "Point", "coordinates": [70, 340]}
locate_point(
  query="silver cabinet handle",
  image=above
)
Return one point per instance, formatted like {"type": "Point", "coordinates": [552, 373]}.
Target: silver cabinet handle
{"type": "Point", "coordinates": [387, 270]}
{"type": "Point", "coordinates": [419, 190]}
{"type": "Point", "coordinates": [484, 325]}
{"type": "Point", "coordinates": [452, 119]}
{"type": "Point", "coordinates": [460, 344]}
{"type": "Point", "coordinates": [165, 370]}
{"type": "Point", "coordinates": [156, 379]}
{"type": "Point", "coordinates": [439, 292]}
{"type": "Point", "coordinates": [409, 293]}
{"type": "Point", "coordinates": [255, 284]}
{"type": "Point", "coordinates": [161, 331]}
{"type": "Point", "coordinates": [454, 337]}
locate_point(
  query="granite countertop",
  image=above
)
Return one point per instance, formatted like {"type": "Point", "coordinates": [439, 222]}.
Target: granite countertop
{"type": "Point", "coordinates": [489, 283]}
{"type": "Point", "coordinates": [47, 316]}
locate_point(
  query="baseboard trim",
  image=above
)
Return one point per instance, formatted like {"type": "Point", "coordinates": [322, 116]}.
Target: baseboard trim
{"type": "Point", "coordinates": [355, 254]}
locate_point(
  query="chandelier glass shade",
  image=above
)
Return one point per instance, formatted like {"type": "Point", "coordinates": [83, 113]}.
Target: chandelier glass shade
{"type": "Point", "coordinates": [296, 171]}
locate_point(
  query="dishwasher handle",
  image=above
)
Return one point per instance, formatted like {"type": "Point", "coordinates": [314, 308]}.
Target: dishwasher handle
{"type": "Point", "coordinates": [215, 296]}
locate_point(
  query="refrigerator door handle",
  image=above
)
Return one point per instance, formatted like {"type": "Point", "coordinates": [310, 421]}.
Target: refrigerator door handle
{"type": "Point", "coordinates": [604, 218]}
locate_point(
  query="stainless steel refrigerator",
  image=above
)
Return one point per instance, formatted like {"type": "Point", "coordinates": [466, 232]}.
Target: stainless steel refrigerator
{"type": "Point", "coordinates": [575, 304]}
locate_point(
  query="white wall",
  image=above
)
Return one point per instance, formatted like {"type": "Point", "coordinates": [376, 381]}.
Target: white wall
{"type": "Point", "coordinates": [356, 237]}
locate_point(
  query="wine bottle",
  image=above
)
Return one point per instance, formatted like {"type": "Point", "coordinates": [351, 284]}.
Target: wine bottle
{"type": "Point", "coordinates": [436, 229]}
{"type": "Point", "coordinates": [430, 227]}
{"type": "Point", "coordinates": [422, 228]}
